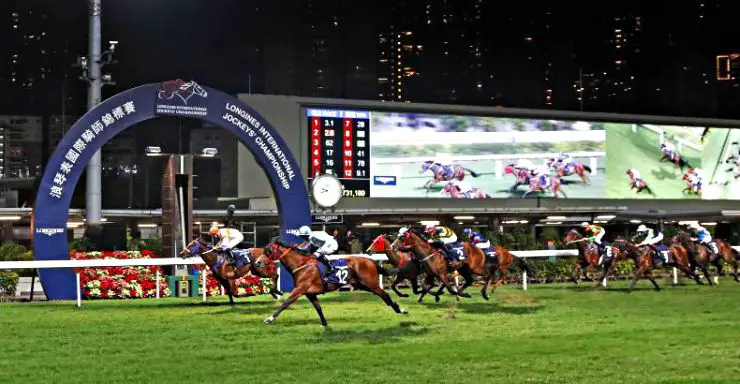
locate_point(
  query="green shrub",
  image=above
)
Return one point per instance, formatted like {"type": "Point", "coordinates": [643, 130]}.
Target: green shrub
{"type": "Point", "coordinates": [8, 285]}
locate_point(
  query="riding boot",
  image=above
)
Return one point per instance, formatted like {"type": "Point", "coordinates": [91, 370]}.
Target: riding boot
{"type": "Point", "coordinates": [323, 260]}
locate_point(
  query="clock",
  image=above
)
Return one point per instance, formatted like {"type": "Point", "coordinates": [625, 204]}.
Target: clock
{"type": "Point", "coordinates": [326, 191]}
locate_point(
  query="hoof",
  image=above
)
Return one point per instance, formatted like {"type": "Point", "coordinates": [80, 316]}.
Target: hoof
{"type": "Point", "coordinates": [436, 299]}
{"type": "Point", "coordinates": [269, 320]}
{"type": "Point", "coordinates": [485, 297]}
{"type": "Point", "coordinates": [404, 311]}
{"type": "Point", "coordinates": [465, 295]}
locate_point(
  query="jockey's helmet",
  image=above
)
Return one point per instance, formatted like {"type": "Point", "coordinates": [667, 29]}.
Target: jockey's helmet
{"type": "Point", "coordinates": [662, 145]}
{"type": "Point", "coordinates": [628, 171]}
{"type": "Point", "coordinates": [642, 228]}
{"type": "Point", "coordinates": [694, 225]}
{"type": "Point", "coordinates": [585, 224]}
{"type": "Point", "coordinates": [467, 231]}
{"type": "Point", "coordinates": [304, 231]}
{"type": "Point", "coordinates": [213, 231]}
{"type": "Point", "coordinates": [430, 228]}
{"type": "Point", "coordinates": [402, 231]}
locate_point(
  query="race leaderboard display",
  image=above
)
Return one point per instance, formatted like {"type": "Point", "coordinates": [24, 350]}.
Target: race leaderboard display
{"type": "Point", "coordinates": [339, 144]}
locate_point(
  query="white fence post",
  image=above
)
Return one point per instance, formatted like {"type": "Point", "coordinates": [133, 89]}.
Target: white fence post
{"type": "Point", "coordinates": [79, 290]}
{"type": "Point", "coordinates": [603, 283]}
{"type": "Point", "coordinates": [675, 276]}
{"type": "Point", "coordinates": [203, 279]}
{"type": "Point", "coordinates": [594, 165]}
{"type": "Point", "coordinates": [524, 280]}
{"type": "Point", "coordinates": [158, 290]}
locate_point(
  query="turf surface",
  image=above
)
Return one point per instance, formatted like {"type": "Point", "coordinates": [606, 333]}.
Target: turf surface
{"type": "Point", "coordinates": [551, 333]}
{"type": "Point", "coordinates": [625, 149]}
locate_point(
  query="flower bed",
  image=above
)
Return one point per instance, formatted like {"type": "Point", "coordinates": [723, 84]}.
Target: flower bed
{"type": "Point", "coordinates": [120, 282]}
{"type": "Point", "coordinates": [248, 285]}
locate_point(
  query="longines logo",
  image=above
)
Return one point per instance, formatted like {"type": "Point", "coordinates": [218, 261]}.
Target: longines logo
{"type": "Point", "coordinates": [50, 231]}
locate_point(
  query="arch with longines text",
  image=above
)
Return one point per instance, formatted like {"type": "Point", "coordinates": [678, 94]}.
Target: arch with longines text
{"type": "Point", "coordinates": [171, 98]}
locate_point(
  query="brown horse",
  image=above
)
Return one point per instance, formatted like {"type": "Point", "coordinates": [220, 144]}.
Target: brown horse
{"type": "Point", "coordinates": [588, 256]}
{"type": "Point", "coordinates": [699, 255]}
{"type": "Point", "coordinates": [578, 169]}
{"type": "Point", "coordinates": [644, 258]}
{"type": "Point", "coordinates": [408, 267]}
{"type": "Point", "coordinates": [444, 172]}
{"type": "Point", "coordinates": [224, 271]}
{"type": "Point", "coordinates": [730, 256]}
{"type": "Point", "coordinates": [454, 191]}
{"type": "Point", "coordinates": [621, 250]}
{"type": "Point", "coordinates": [536, 186]}
{"type": "Point", "coordinates": [362, 274]}
{"type": "Point", "coordinates": [434, 263]}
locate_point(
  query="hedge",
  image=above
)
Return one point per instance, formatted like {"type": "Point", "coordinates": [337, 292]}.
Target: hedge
{"type": "Point", "coordinates": [8, 285]}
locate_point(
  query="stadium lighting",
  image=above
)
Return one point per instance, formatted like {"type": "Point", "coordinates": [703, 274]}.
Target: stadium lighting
{"type": "Point", "coordinates": [370, 224]}
{"type": "Point", "coordinates": [147, 225]}
{"type": "Point", "coordinates": [709, 224]}
{"type": "Point", "coordinates": [635, 221]}
{"type": "Point", "coordinates": [464, 217]}
{"type": "Point", "coordinates": [74, 224]}
{"type": "Point", "coordinates": [10, 218]}
{"type": "Point", "coordinates": [554, 222]}
{"type": "Point", "coordinates": [605, 217]}
{"type": "Point", "coordinates": [209, 152]}
{"type": "Point", "coordinates": [556, 217]}
{"type": "Point", "coordinates": [429, 222]}
{"type": "Point", "coordinates": [153, 151]}
{"type": "Point", "coordinates": [523, 221]}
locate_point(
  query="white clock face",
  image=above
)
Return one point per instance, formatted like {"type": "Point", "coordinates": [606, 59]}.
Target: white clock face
{"type": "Point", "coordinates": [326, 191]}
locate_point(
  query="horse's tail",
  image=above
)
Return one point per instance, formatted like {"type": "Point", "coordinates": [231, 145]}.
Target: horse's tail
{"type": "Point", "coordinates": [683, 163]}
{"type": "Point", "coordinates": [650, 191]}
{"type": "Point", "coordinates": [586, 168]}
{"type": "Point", "coordinates": [472, 173]}
{"type": "Point", "coordinates": [522, 264]}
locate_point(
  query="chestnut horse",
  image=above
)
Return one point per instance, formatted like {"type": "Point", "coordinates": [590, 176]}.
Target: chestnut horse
{"type": "Point", "coordinates": [699, 255]}
{"type": "Point", "coordinates": [644, 258]}
{"type": "Point", "coordinates": [535, 185]}
{"type": "Point", "coordinates": [587, 256]}
{"type": "Point", "coordinates": [454, 191]}
{"type": "Point", "coordinates": [434, 263]}
{"type": "Point", "coordinates": [363, 274]}
{"type": "Point", "coordinates": [578, 169]}
{"type": "Point", "coordinates": [730, 256]}
{"type": "Point", "coordinates": [444, 172]}
{"type": "Point", "coordinates": [408, 267]}
{"type": "Point", "coordinates": [224, 271]}
{"type": "Point", "coordinates": [677, 160]}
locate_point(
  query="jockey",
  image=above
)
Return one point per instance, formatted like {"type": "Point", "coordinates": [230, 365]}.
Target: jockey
{"type": "Point", "coordinates": [653, 238]}
{"type": "Point", "coordinates": [444, 236]}
{"type": "Point", "coordinates": [668, 150]}
{"type": "Point", "coordinates": [566, 161]}
{"type": "Point", "coordinates": [320, 243]}
{"type": "Point", "coordinates": [635, 177]}
{"type": "Point", "coordinates": [228, 239]}
{"type": "Point", "coordinates": [597, 234]}
{"type": "Point", "coordinates": [480, 241]}
{"type": "Point", "coordinates": [464, 187]}
{"type": "Point", "coordinates": [703, 237]}
{"type": "Point", "coordinates": [695, 179]}
{"type": "Point", "coordinates": [542, 175]}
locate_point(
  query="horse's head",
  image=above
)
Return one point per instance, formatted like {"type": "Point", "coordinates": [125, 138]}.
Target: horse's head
{"type": "Point", "coordinates": [425, 166]}
{"type": "Point", "coordinates": [449, 187]}
{"type": "Point", "coordinates": [550, 162]}
{"type": "Point", "coordinates": [195, 89]}
{"type": "Point", "coordinates": [572, 235]}
{"type": "Point", "coordinates": [509, 169]}
{"type": "Point", "coordinates": [259, 257]}
{"type": "Point", "coordinates": [379, 244]}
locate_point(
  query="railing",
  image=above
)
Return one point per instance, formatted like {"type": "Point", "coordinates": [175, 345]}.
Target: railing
{"type": "Point", "coordinates": [100, 263]}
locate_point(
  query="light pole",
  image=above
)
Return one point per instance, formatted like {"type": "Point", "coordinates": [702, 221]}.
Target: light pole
{"type": "Point", "coordinates": [91, 72]}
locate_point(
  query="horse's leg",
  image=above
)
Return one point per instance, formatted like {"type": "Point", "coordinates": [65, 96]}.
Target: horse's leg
{"type": "Point", "coordinates": [577, 271]}
{"type": "Point", "coordinates": [650, 277]}
{"type": "Point", "coordinates": [227, 287]}
{"type": "Point", "coordinates": [394, 287]}
{"type": "Point", "coordinates": [315, 301]}
{"type": "Point", "coordinates": [605, 271]}
{"type": "Point", "coordinates": [640, 271]}
{"type": "Point", "coordinates": [705, 271]}
{"type": "Point", "coordinates": [428, 284]}
{"type": "Point", "coordinates": [735, 267]}
{"type": "Point", "coordinates": [386, 298]}
{"type": "Point", "coordinates": [486, 281]}
{"type": "Point", "coordinates": [294, 295]}
{"type": "Point", "coordinates": [468, 276]}
{"type": "Point", "coordinates": [503, 273]}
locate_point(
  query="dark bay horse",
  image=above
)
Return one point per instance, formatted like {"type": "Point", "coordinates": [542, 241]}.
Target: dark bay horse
{"type": "Point", "coordinates": [588, 256]}
{"type": "Point", "coordinates": [676, 159]}
{"type": "Point", "coordinates": [224, 271]}
{"type": "Point", "coordinates": [363, 274]}
{"type": "Point", "coordinates": [408, 267]}
{"type": "Point", "coordinates": [454, 191]}
{"type": "Point", "coordinates": [699, 255]}
{"type": "Point", "coordinates": [730, 256]}
{"type": "Point", "coordinates": [554, 186]}
{"type": "Point", "coordinates": [578, 169]}
{"type": "Point", "coordinates": [433, 262]}
{"type": "Point", "coordinates": [644, 258]}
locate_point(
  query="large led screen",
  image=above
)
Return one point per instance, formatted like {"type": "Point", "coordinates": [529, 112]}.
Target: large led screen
{"type": "Point", "coordinates": [416, 155]}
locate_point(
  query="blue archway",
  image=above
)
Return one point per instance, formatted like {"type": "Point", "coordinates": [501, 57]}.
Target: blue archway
{"type": "Point", "coordinates": [171, 98]}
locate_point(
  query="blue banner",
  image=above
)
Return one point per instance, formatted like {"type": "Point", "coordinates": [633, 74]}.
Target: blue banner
{"type": "Point", "coordinates": [178, 98]}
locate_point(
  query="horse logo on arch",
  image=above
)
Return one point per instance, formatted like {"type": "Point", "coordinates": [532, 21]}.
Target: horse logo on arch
{"type": "Point", "coordinates": [182, 89]}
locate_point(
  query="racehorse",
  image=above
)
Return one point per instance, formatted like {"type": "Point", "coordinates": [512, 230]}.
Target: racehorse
{"type": "Point", "coordinates": [588, 256]}
{"type": "Point", "coordinates": [478, 263]}
{"type": "Point", "coordinates": [225, 272]}
{"type": "Point", "coordinates": [554, 186]}
{"type": "Point", "coordinates": [644, 259]}
{"type": "Point", "coordinates": [699, 255]}
{"type": "Point", "coordinates": [729, 255]}
{"type": "Point", "coordinates": [689, 189]}
{"type": "Point", "coordinates": [183, 90]}
{"type": "Point", "coordinates": [434, 263]}
{"type": "Point", "coordinates": [455, 192]}
{"type": "Point", "coordinates": [521, 176]}
{"type": "Point", "coordinates": [408, 267]}
{"type": "Point", "coordinates": [640, 185]}
{"type": "Point", "coordinates": [362, 273]}
{"type": "Point", "coordinates": [444, 172]}
{"type": "Point", "coordinates": [677, 160]}
{"type": "Point", "coordinates": [578, 169]}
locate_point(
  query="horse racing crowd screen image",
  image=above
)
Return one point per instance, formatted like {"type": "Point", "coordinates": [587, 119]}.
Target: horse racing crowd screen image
{"type": "Point", "coordinates": [473, 157]}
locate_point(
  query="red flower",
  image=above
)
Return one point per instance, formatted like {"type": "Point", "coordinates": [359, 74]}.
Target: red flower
{"type": "Point", "coordinates": [132, 292]}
